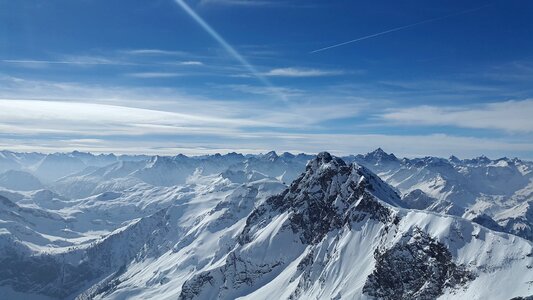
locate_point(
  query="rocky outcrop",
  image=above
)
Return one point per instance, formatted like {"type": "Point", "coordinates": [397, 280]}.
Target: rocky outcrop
{"type": "Point", "coordinates": [329, 195]}
{"type": "Point", "coordinates": [419, 267]}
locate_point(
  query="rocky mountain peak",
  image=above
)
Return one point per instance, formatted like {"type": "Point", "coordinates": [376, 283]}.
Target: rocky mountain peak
{"type": "Point", "coordinates": [454, 159]}
{"type": "Point", "coordinates": [272, 155]}
{"type": "Point", "coordinates": [155, 161]}
{"type": "Point", "coordinates": [324, 160]}
{"type": "Point", "coordinates": [380, 155]}
{"type": "Point", "coordinates": [181, 157]}
{"type": "Point", "coordinates": [480, 160]}
{"type": "Point", "coordinates": [287, 155]}
{"type": "Point", "coordinates": [327, 195]}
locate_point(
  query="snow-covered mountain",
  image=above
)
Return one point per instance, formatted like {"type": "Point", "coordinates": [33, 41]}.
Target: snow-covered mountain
{"type": "Point", "coordinates": [498, 191]}
{"type": "Point", "coordinates": [344, 235]}
{"type": "Point", "coordinates": [228, 226]}
{"type": "Point", "coordinates": [171, 171]}
{"type": "Point", "coordinates": [19, 181]}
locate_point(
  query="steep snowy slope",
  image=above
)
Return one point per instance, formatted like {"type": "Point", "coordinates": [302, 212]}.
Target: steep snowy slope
{"type": "Point", "coordinates": [199, 234]}
{"type": "Point", "coordinates": [478, 189]}
{"type": "Point", "coordinates": [19, 181]}
{"type": "Point", "coordinates": [435, 177]}
{"type": "Point", "coordinates": [165, 171]}
{"type": "Point", "coordinates": [8, 161]}
{"type": "Point", "coordinates": [445, 178]}
{"type": "Point", "coordinates": [110, 230]}
{"type": "Point", "coordinates": [91, 181]}
{"type": "Point", "coordinates": [517, 220]}
{"type": "Point", "coordinates": [57, 165]}
{"type": "Point", "coordinates": [31, 228]}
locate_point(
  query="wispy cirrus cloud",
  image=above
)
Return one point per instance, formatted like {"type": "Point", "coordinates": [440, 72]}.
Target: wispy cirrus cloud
{"type": "Point", "coordinates": [510, 72]}
{"type": "Point", "coordinates": [154, 118]}
{"type": "Point", "coordinates": [265, 90]}
{"type": "Point", "coordinates": [155, 52]}
{"type": "Point", "coordinates": [21, 99]}
{"type": "Point", "coordinates": [191, 63]}
{"type": "Point", "coordinates": [155, 74]}
{"type": "Point", "coordinates": [72, 116]}
{"type": "Point", "coordinates": [258, 3]}
{"type": "Point", "coordinates": [302, 72]}
{"type": "Point", "coordinates": [249, 3]}
{"type": "Point", "coordinates": [439, 86]}
{"type": "Point", "coordinates": [95, 119]}
{"type": "Point", "coordinates": [68, 60]}
{"type": "Point", "coordinates": [237, 2]}
{"type": "Point", "coordinates": [512, 116]}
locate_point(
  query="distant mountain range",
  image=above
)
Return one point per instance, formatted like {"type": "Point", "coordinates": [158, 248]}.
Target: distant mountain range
{"type": "Point", "coordinates": [373, 226]}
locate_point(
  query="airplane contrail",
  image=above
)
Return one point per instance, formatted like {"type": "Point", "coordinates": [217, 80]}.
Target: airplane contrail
{"type": "Point", "coordinates": [217, 37]}
{"type": "Point", "coordinates": [400, 28]}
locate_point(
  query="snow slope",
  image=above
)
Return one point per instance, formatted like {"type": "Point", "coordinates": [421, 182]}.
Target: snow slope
{"type": "Point", "coordinates": [227, 227]}
{"type": "Point", "coordinates": [19, 181]}
{"type": "Point", "coordinates": [473, 188]}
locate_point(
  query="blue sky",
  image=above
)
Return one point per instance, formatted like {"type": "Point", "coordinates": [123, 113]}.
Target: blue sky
{"type": "Point", "coordinates": [206, 76]}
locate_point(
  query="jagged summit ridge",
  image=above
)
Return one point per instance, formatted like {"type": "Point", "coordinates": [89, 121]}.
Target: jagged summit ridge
{"type": "Point", "coordinates": [328, 195]}
{"type": "Point", "coordinates": [381, 154]}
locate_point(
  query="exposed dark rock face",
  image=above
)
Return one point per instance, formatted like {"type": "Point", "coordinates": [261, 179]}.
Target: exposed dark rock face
{"type": "Point", "coordinates": [419, 267]}
{"type": "Point", "coordinates": [236, 273]}
{"type": "Point", "coordinates": [329, 195]}
{"type": "Point", "coordinates": [523, 298]}
{"type": "Point", "coordinates": [485, 220]}
{"type": "Point", "coordinates": [193, 287]}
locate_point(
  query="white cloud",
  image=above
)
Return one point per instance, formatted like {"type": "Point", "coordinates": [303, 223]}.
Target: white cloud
{"type": "Point", "coordinates": [512, 116]}
{"type": "Point", "coordinates": [68, 116]}
{"type": "Point", "coordinates": [155, 52]}
{"type": "Point", "coordinates": [265, 90]}
{"type": "Point", "coordinates": [191, 63]}
{"type": "Point", "coordinates": [302, 72]}
{"type": "Point", "coordinates": [440, 86]}
{"type": "Point", "coordinates": [30, 107]}
{"type": "Point", "coordinates": [154, 74]}
{"type": "Point", "coordinates": [240, 2]}
{"type": "Point", "coordinates": [258, 3]}
{"type": "Point", "coordinates": [67, 60]}
{"type": "Point", "coordinates": [311, 111]}
{"type": "Point", "coordinates": [83, 119]}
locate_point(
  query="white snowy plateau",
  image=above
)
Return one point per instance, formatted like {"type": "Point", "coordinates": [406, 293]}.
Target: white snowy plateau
{"type": "Point", "coordinates": [83, 226]}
